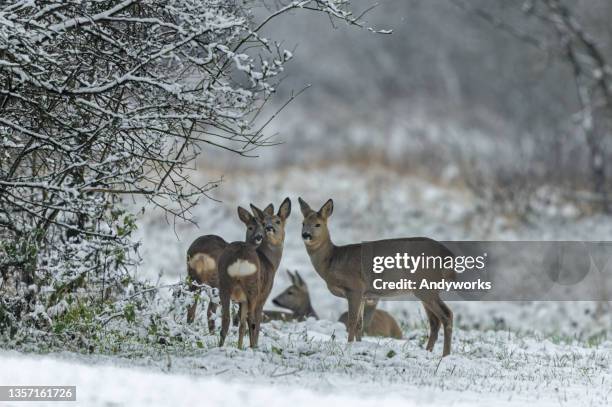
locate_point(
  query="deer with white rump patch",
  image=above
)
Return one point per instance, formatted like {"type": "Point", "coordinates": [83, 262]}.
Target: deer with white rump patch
{"type": "Point", "coordinates": [340, 267]}
{"type": "Point", "coordinates": [203, 258]}
{"type": "Point", "coordinates": [246, 272]}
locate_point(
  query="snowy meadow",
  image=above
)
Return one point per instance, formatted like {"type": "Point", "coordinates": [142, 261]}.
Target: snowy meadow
{"type": "Point", "coordinates": [544, 353]}
{"type": "Point", "coordinates": [130, 128]}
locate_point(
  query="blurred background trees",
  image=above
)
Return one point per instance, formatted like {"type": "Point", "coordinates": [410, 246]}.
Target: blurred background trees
{"type": "Point", "coordinates": [503, 96]}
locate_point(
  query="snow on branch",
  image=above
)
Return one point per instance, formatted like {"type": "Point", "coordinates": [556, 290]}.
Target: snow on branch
{"type": "Point", "coordinates": [100, 99]}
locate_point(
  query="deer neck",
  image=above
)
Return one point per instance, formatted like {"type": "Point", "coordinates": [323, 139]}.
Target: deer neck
{"type": "Point", "coordinates": [270, 255]}
{"type": "Point", "coordinates": [306, 312]}
{"type": "Point", "coordinates": [321, 254]}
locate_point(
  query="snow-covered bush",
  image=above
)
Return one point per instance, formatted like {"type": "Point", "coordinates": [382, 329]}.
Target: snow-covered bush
{"type": "Point", "coordinates": [100, 100]}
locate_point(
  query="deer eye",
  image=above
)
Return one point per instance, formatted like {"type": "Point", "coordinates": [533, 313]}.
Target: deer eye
{"type": "Point", "coordinates": [250, 227]}
{"type": "Point", "coordinates": [317, 225]}
{"type": "Point", "coordinates": [278, 222]}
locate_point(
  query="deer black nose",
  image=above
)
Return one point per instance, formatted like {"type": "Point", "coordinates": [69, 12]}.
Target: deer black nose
{"type": "Point", "coordinates": [269, 229]}
{"type": "Point", "coordinates": [258, 239]}
{"type": "Point", "coordinates": [306, 235]}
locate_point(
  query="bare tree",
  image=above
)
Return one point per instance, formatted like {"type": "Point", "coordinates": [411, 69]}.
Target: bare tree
{"type": "Point", "coordinates": [591, 73]}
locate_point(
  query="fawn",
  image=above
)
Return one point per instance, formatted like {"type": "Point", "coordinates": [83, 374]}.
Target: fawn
{"type": "Point", "coordinates": [340, 267]}
{"type": "Point", "coordinates": [297, 299]}
{"type": "Point", "coordinates": [246, 272]}
{"type": "Point", "coordinates": [203, 258]}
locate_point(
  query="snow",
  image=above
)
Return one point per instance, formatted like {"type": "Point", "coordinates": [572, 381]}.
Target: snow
{"type": "Point", "coordinates": [142, 388]}
{"type": "Point", "coordinates": [310, 362]}
{"type": "Point", "coordinates": [368, 205]}
{"type": "Point", "coordinates": [504, 354]}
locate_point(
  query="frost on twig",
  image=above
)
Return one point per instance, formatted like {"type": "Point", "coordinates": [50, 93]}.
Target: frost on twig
{"type": "Point", "coordinates": [100, 100]}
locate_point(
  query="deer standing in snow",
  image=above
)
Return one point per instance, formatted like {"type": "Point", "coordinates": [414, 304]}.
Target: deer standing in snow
{"type": "Point", "coordinates": [246, 272]}
{"type": "Point", "coordinates": [203, 258]}
{"type": "Point", "coordinates": [340, 267]}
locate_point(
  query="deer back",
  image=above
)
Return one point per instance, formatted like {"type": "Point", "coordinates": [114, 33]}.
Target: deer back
{"type": "Point", "coordinates": [381, 323]}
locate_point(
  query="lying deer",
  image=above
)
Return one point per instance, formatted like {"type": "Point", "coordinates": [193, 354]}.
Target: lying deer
{"type": "Point", "coordinates": [340, 267]}
{"type": "Point", "coordinates": [294, 298]}
{"type": "Point", "coordinates": [246, 272]}
{"type": "Point", "coordinates": [297, 299]}
{"type": "Point", "coordinates": [203, 258]}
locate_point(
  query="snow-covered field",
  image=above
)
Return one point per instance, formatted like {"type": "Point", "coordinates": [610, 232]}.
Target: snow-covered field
{"type": "Point", "coordinates": [537, 353]}
{"type": "Point", "coordinates": [374, 202]}
{"type": "Point", "coordinates": [299, 364]}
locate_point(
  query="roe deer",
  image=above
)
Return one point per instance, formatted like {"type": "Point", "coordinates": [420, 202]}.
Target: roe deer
{"type": "Point", "coordinates": [246, 272]}
{"type": "Point", "coordinates": [297, 299]}
{"type": "Point", "coordinates": [381, 323]}
{"type": "Point", "coordinates": [203, 259]}
{"type": "Point", "coordinates": [340, 267]}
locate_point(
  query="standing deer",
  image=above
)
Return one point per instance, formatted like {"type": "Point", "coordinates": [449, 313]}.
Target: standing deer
{"type": "Point", "coordinates": [297, 299]}
{"type": "Point", "coordinates": [340, 267]}
{"type": "Point", "coordinates": [246, 272]}
{"type": "Point", "coordinates": [203, 259]}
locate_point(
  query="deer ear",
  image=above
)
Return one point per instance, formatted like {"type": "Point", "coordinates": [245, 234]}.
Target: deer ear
{"type": "Point", "coordinates": [285, 209]}
{"type": "Point", "coordinates": [300, 282]}
{"type": "Point", "coordinates": [304, 207]}
{"type": "Point", "coordinates": [244, 215]}
{"type": "Point", "coordinates": [269, 210]}
{"type": "Point", "coordinates": [327, 209]}
{"type": "Point", "coordinates": [291, 276]}
{"type": "Point", "coordinates": [258, 213]}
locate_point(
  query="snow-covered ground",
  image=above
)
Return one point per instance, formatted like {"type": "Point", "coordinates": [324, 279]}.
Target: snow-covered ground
{"type": "Point", "coordinates": [375, 202]}
{"type": "Point", "coordinates": [310, 363]}
{"type": "Point", "coordinates": [515, 354]}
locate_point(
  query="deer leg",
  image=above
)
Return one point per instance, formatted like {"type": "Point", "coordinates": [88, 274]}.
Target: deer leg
{"type": "Point", "coordinates": [445, 315]}
{"type": "Point", "coordinates": [434, 328]}
{"type": "Point", "coordinates": [210, 315]}
{"type": "Point", "coordinates": [258, 318]}
{"type": "Point", "coordinates": [191, 311]}
{"type": "Point", "coordinates": [360, 324]}
{"type": "Point", "coordinates": [354, 303]}
{"type": "Point", "coordinates": [225, 315]}
{"type": "Point", "coordinates": [242, 311]}
{"type": "Point", "coordinates": [252, 318]}
{"type": "Point", "coordinates": [448, 327]}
